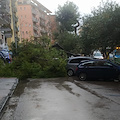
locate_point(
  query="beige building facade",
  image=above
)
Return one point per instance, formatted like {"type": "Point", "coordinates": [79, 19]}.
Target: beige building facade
{"type": "Point", "coordinates": [33, 19]}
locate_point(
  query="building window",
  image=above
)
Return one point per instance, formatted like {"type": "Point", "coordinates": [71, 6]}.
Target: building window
{"type": "Point", "coordinates": [21, 8]}
{"type": "Point", "coordinates": [2, 37]}
{"type": "Point", "coordinates": [26, 32]}
{"type": "Point", "coordinates": [24, 8]}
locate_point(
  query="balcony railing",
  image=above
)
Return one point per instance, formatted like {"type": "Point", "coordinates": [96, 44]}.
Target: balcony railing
{"type": "Point", "coordinates": [2, 21]}
{"type": "Point", "coordinates": [8, 34]}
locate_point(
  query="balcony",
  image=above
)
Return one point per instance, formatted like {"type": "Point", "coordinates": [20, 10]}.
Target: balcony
{"type": "Point", "coordinates": [42, 31]}
{"type": "Point", "coordinates": [14, 9]}
{"type": "Point", "coordinates": [34, 11]}
{"type": "Point", "coordinates": [13, 3]}
{"type": "Point", "coordinates": [7, 31]}
{"type": "Point", "coordinates": [24, 2]}
{"type": "Point", "coordinates": [8, 34]}
{"type": "Point", "coordinates": [5, 10]}
{"type": "Point", "coordinates": [42, 17]}
{"type": "Point", "coordinates": [15, 18]}
{"type": "Point", "coordinates": [17, 39]}
{"type": "Point", "coordinates": [42, 23]}
{"type": "Point", "coordinates": [35, 27]}
{"type": "Point", "coordinates": [35, 34]}
{"type": "Point", "coordinates": [34, 19]}
{"type": "Point", "coordinates": [16, 29]}
{"type": "Point", "coordinates": [2, 21]}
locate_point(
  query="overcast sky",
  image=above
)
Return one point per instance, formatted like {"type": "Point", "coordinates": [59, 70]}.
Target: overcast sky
{"type": "Point", "coordinates": [85, 6]}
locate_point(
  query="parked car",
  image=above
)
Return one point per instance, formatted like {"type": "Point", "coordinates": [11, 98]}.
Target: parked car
{"type": "Point", "coordinates": [5, 55]}
{"type": "Point", "coordinates": [73, 62]}
{"type": "Point", "coordinates": [97, 55]}
{"type": "Point", "coordinates": [98, 69]}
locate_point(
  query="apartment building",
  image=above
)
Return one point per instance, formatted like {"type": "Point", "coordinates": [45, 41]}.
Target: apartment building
{"type": "Point", "coordinates": [14, 23]}
{"type": "Point", "coordinates": [33, 19]}
{"type": "Point", "coordinates": [9, 22]}
{"type": "Point", "coordinates": [5, 20]}
{"type": "Point", "coordinates": [53, 27]}
{"type": "Point", "coordinates": [3, 42]}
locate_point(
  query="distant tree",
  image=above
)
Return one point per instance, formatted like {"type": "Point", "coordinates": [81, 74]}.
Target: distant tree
{"type": "Point", "coordinates": [67, 15]}
{"type": "Point", "coordinates": [102, 28]}
{"type": "Point", "coordinates": [70, 42]}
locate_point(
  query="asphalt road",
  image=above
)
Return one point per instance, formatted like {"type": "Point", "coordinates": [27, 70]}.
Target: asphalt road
{"type": "Point", "coordinates": [64, 99]}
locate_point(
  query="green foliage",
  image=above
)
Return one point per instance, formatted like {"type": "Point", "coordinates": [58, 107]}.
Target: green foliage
{"type": "Point", "coordinates": [35, 59]}
{"type": "Point", "coordinates": [67, 15]}
{"type": "Point", "coordinates": [70, 42]}
{"type": "Point", "coordinates": [6, 69]}
{"type": "Point", "coordinates": [102, 28]}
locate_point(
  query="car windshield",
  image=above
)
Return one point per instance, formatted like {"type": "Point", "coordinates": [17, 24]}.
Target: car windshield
{"type": "Point", "coordinates": [97, 54]}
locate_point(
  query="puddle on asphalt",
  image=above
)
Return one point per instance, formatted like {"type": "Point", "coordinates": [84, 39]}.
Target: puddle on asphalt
{"type": "Point", "coordinates": [67, 87]}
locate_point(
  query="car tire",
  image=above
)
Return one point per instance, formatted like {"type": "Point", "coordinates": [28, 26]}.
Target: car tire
{"type": "Point", "coordinates": [70, 73]}
{"type": "Point", "coordinates": [82, 76]}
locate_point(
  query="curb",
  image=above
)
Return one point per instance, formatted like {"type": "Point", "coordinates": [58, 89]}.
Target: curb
{"type": "Point", "coordinates": [5, 99]}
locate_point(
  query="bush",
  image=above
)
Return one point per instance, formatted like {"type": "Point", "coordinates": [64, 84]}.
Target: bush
{"type": "Point", "coordinates": [6, 69]}
{"type": "Point", "coordinates": [35, 61]}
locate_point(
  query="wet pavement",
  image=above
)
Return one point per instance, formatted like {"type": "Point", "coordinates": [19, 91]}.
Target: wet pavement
{"type": "Point", "coordinates": [64, 99]}
{"type": "Point", "coordinates": [7, 87]}
{"type": "Point", "coordinates": [107, 89]}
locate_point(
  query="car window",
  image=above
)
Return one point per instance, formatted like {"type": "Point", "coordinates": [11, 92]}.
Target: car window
{"type": "Point", "coordinates": [100, 63]}
{"type": "Point", "coordinates": [78, 60]}
{"type": "Point", "coordinates": [74, 61]}
{"type": "Point", "coordinates": [90, 63]}
{"type": "Point", "coordinates": [103, 63]}
{"type": "Point", "coordinates": [107, 64]}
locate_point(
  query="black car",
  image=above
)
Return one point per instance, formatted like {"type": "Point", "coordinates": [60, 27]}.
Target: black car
{"type": "Point", "coordinates": [98, 69]}
{"type": "Point", "coordinates": [73, 62]}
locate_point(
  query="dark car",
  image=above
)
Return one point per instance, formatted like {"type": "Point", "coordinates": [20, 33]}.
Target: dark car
{"type": "Point", "coordinates": [73, 62]}
{"type": "Point", "coordinates": [98, 69]}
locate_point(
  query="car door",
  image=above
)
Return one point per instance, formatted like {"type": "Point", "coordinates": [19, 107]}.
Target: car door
{"type": "Point", "coordinates": [92, 69]}
{"type": "Point", "coordinates": [98, 69]}
{"type": "Point", "coordinates": [109, 70]}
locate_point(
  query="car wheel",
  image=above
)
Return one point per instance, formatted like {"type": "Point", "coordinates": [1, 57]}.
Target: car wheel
{"type": "Point", "coordinates": [82, 76]}
{"type": "Point", "coordinates": [70, 73]}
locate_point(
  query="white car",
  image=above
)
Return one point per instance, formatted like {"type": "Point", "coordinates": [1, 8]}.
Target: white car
{"type": "Point", "coordinates": [98, 55]}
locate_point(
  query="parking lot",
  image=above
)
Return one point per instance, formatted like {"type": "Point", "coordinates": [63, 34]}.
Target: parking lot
{"type": "Point", "coordinates": [64, 99]}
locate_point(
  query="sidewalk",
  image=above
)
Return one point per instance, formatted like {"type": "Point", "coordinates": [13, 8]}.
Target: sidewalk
{"type": "Point", "coordinates": [7, 87]}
